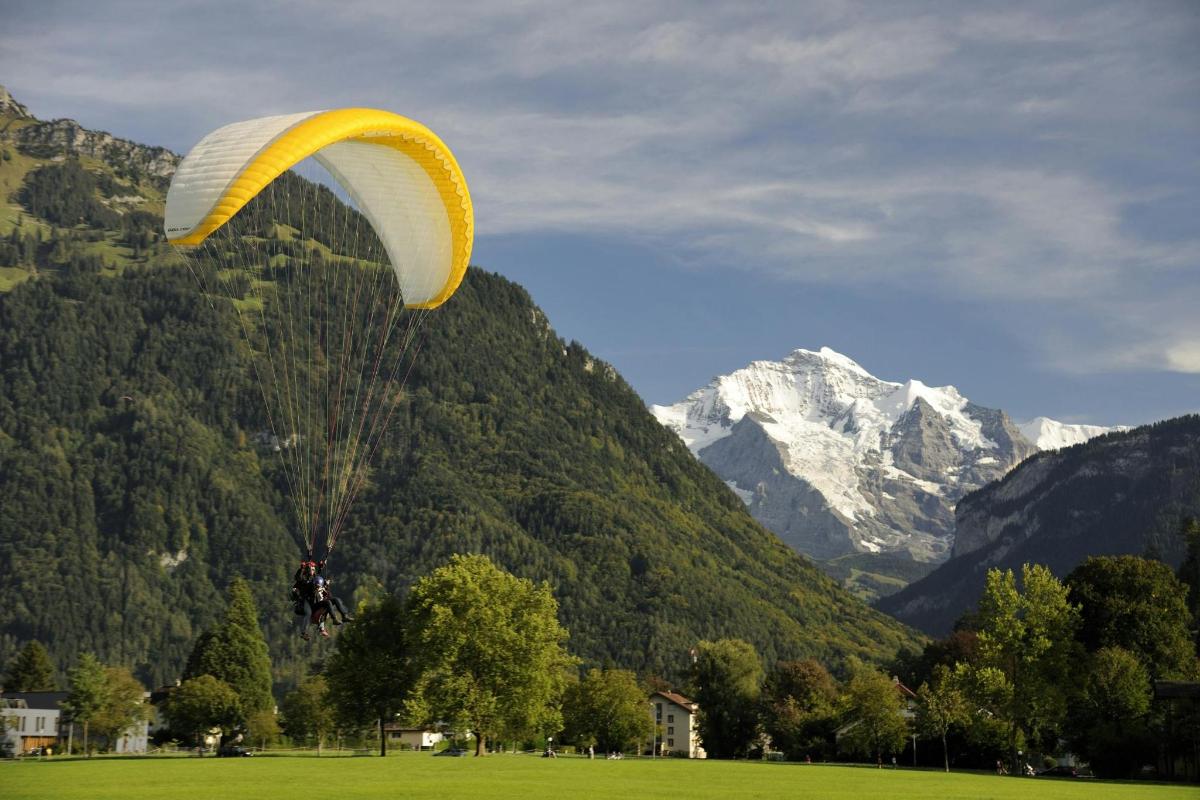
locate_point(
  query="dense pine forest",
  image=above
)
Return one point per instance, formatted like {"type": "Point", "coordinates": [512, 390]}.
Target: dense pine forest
{"type": "Point", "coordinates": [135, 485]}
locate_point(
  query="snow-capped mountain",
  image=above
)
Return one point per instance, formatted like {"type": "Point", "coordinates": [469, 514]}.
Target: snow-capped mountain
{"type": "Point", "coordinates": [837, 461]}
{"type": "Point", "coordinates": [1048, 434]}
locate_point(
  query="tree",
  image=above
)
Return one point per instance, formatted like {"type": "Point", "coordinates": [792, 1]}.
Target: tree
{"type": "Point", "coordinates": [487, 650]}
{"type": "Point", "coordinates": [989, 696]}
{"type": "Point", "coordinates": [87, 694]}
{"type": "Point", "coordinates": [799, 713]}
{"type": "Point", "coordinates": [124, 705]}
{"type": "Point", "coordinates": [1189, 574]}
{"type": "Point", "coordinates": [914, 668]}
{"type": "Point", "coordinates": [307, 713]}
{"type": "Point", "coordinates": [728, 676]}
{"type": "Point", "coordinates": [1025, 636]}
{"type": "Point", "coordinates": [368, 675]}
{"type": "Point", "coordinates": [201, 704]}
{"type": "Point", "coordinates": [1108, 722]}
{"type": "Point", "coordinates": [607, 710]}
{"type": "Point", "coordinates": [872, 708]}
{"type": "Point", "coordinates": [235, 652]}
{"type": "Point", "coordinates": [262, 727]}
{"type": "Point", "coordinates": [1138, 605]}
{"type": "Point", "coordinates": [941, 706]}
{"type": "Point", "coordinates": [30, 670]}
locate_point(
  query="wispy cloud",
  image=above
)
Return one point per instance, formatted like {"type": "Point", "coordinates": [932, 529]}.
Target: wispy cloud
{"type": "Point", "coordinates": [985, 155]}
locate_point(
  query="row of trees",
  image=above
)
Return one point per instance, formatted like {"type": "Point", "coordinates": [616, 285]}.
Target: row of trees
{"type": "Point", "coordinates": [797, 707]}
{"type": "Point", "coordinates": [1048, 665]}
{"type": "Point", "coordinates": [471, 648]}
{"type": "Point", "coordinates": [1043, 666]}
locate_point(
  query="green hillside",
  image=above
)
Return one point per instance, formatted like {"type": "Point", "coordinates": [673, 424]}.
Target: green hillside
{"type": "Point", "coordinates": [133, 487]}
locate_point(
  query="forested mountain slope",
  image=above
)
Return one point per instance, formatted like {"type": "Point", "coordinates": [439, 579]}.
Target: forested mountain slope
{"type": "Point", "coordinates": [134, 485]}
{"type": "Point", "coordinates": [1121, 493]}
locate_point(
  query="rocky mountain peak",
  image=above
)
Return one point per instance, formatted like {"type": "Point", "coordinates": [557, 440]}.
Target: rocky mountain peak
{"type": "Point", "coordinates": [66, 137]}
{"type": "Point", "coordinates": [9, 105]}
{"type": "Point", "coordinates": [837, 461]}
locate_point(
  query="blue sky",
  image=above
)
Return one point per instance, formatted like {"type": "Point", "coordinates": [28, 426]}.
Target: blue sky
{"type": "Point", "coordinates": [1000, 196]}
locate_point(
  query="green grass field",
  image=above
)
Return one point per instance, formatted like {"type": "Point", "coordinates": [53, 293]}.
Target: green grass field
{"type": "Point", "coordinates": [411, 775]}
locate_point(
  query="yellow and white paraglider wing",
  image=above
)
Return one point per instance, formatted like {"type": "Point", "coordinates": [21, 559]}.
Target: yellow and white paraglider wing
{"type": "Point", "coordinates": [400, 175]}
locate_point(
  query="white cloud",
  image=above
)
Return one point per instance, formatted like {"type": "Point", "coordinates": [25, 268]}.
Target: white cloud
{"type": "Point", "coordinates": [987, 156]}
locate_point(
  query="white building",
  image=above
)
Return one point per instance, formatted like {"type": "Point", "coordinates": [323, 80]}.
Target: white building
{"type": "Point", "coordinates": [31, 720]}
{"type": "Point", "coordinates": [35, 719]}
{"type": "Point", "coordinates": [416, 738]}
{"type": "Point", "coordinates": [676, 725]}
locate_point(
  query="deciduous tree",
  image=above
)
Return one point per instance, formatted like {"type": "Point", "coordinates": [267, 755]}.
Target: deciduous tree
{"type": "Point", "coordinates": [307, 714]}
{"type": "Point", "coordinates": [1108, 722]}
{"type": "Point", "coordinates": [1189, 574]}
{"type": "Point", "coordinates": [487, 650]}
{"type": "Point", "coordinates": [872, 708]}
{"type": "Point", "coordinates": [201, 704]}
{"type": "Point", "coordinates": [1025, 636]}
{"type": "Point", "coordinates": [1138, 605]}
{"type": "Point", "coordinates": [262, 726]}
{"type": "Point", "coordinates": [799, 707]}
{"type": "Point", "coordinates": [124, 705]}
{"type": "Point", "coordinates": [606, 709]}
{"type": "Point", "coordinates": [728, 675]}
{"type": "Point", "coordinates": [941, 705]}
{"type": "Point", "coordinates": [369, 674]}
{"type": "Point", "coordinates": [86, 695]}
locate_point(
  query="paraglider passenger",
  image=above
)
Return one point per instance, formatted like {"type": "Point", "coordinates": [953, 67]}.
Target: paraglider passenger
{"type": "Point", "coordinates": [313, 599]}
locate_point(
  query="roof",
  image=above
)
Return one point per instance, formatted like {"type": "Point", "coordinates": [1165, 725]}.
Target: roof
{"type": "Point", "coordinates": [677, 699]}
{"type": "Point", "coordinates": [904, 690]}
{"type": "Point", "coordinates": [47, 700]}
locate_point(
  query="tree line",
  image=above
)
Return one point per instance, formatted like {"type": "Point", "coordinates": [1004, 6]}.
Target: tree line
{"type": "Point", "coordinates": [1042, 669]}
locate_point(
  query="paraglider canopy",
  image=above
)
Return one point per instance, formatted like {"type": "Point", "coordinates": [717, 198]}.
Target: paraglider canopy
{"type": "Point", "coordinates": [329, 298]}
{"type": "Point", "coordinates": [400, 175]}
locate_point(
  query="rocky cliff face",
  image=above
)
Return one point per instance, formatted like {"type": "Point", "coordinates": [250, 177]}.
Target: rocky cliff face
{"type": "Point", "coordinates": [837, 461]}
{"type": "Point", "coordinates": [68, 136]}
{"type": "Point", "coordinates": [1125, 492]}
{"type": "Point", "coordinates": [788, 505]}
{"type": "Point", "coordinates": [9, 105]}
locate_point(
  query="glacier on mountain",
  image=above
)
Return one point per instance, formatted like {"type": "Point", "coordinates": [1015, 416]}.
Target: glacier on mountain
{"type": "Point", "coordinates": [837, 461]}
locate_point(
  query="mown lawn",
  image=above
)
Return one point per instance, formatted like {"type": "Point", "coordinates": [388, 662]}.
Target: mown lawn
{"type": "Point", "coordinates": [409, 775]}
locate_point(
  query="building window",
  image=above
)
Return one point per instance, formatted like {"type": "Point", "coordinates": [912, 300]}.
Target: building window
{"type": "Point", "coordinates": [670, 731]}
{"type": "Point", "coordinates": [670, 717]}
{"type": "Point", "coordinates": [23, 718]}
{"type": "Point", "coordinates": [658, 711]}
{"type": "Point", "coordinates": [670, 742]}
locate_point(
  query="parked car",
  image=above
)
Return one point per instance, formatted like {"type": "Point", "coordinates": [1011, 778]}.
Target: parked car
{"type": "Point", "coordinates": [453, 752]}
{"type": "Point", "coordinates": [234, 751]}
{"type": "Point", "coordinates": [1059, 771]}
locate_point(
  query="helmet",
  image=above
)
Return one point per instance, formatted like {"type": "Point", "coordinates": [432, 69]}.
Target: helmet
{"type": "Point", "coordinates": [319, 581]}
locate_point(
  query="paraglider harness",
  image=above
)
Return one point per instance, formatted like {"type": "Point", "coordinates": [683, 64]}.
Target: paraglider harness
{"type": "Point", "coordinates": [311, 595]}
{"type": "Point", "coordinates": [309, 588]}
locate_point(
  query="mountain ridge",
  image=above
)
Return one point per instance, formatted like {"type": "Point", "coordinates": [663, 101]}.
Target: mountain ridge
{"type": "Point", "coordinates": [1124, 492]}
